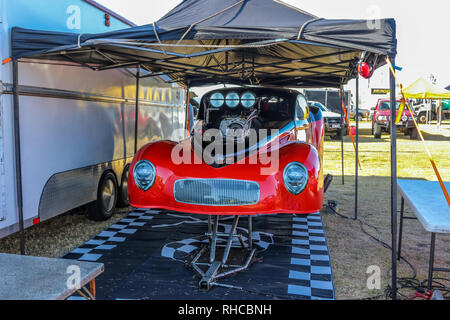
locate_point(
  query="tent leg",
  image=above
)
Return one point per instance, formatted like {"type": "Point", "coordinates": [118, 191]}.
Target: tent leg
{"type": "Point", "coordinates": [342, 136]}
{"type": "Point", "coordinates": [18, 161]}
{"type": "Point", "coordinates": [393, 183]}
{"type": "Point", "coordinates": [357, 147]}
{"type": "Point", "coordinates": [188, 109]}
{"type": "Point", "coordinates": [136, 117]}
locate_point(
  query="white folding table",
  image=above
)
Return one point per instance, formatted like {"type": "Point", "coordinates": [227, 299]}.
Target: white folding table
{"type": "Point", "coordinates": [430, 207]}
{"type": "Point", "coordinates": [35, 278]}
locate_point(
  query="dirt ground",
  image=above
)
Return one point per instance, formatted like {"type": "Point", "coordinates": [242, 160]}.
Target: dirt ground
{"type": "Point", "coordinates": [352, 251]}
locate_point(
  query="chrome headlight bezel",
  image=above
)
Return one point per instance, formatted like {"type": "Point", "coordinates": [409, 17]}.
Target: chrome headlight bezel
{"type": "Point", "coordinates": [295, 190]}
{"type": "Point", "coordinates": [151, 179]}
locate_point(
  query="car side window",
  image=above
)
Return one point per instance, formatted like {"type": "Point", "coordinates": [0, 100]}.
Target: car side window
{"type": "Point", "coordinates": [301, 108]}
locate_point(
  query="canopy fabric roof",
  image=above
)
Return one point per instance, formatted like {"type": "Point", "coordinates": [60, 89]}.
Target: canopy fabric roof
{"type": "Point", "coordinates": [204, 42]}
{"type": "Point", "coordinates": [423, 89]}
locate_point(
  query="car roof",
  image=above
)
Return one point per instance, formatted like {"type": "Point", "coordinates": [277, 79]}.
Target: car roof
{"type": "Point", "coordinates": [388, 100]}
{"type": "Point", "coordinates": [256, 90]}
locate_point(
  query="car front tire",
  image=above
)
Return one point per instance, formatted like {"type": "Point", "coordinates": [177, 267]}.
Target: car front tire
{"type": "Point", "coordinates": [377, 131]}
{"type": "Point", "coordinates": [422, 118]}
{"type": "Point", "coordinates": [337, 136]}
{"type": "Point", "coordinates": [414, 134]}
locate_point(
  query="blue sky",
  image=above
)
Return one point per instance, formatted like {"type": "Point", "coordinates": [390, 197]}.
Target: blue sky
{"type": "Point", "coordinates": [423, 27]}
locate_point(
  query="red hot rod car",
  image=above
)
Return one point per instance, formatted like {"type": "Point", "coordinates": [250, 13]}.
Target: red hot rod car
{"type": "Point", "coordinates": [253, 151]}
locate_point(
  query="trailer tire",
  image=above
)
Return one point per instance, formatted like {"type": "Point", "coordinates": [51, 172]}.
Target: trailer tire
{"type": "Point", "coordinates": [123, 201]}
{"type": "Point", "coordinates": [103, 208]}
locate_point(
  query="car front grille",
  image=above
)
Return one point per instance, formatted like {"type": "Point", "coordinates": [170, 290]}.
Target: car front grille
{"type": "Point", "coordinates": [333, 120]}
{"type": "Point", "coordinates": [216, 192]}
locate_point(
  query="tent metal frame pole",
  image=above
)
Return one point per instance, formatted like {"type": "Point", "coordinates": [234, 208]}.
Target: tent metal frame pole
{"type": "Point", "coordinates": [393, 182]}
{"type": "Point", "coordinates": [136, 116]}
{"type": "Point", "coordinates": [342, 134]}
{"type": "Point", "coordinates": [357, 147]}
{"type": "Point", "coordinates": [17, 155]}
{"type": "Point", "coordinates": [188, 111]}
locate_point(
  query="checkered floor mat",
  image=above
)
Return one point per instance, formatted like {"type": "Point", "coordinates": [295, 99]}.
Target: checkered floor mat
{"type": "Point", "coordinates": [108, 239]}
{"type": "Point", "coordinates": [144, 256]}
{"type": "Point", "coordinates": [310, 274]}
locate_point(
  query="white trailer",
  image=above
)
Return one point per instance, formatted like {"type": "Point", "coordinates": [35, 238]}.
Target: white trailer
{"type": "Point", "coordinates": [74, 131]}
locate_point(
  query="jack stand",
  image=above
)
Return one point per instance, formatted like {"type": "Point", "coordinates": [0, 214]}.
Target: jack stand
{"type": "Point", "coordinates": [213, 269]}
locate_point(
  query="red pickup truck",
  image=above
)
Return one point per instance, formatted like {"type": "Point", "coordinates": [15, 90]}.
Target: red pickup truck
{"type": "Point", "coordinates": [381, 120]}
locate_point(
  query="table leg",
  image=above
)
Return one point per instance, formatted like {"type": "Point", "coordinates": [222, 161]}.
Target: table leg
{"type": "Point", "coordinates": [431, 266]}
{"type": "Point", "coordinates": [92, 287]}
{"type": "Point", "coordinates": [402, 210]}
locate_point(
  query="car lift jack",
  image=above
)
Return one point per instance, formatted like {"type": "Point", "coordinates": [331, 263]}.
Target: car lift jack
{"type": "Point", "coordinates": [211, 269]}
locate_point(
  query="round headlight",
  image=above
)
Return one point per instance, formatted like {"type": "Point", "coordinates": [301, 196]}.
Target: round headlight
{"type": "Point", "coordinates": [248, 100]}
{"type": "Point", "coordinates": [295, 177]}
{"type": "Point", "coordinates": [144, 174]}
{"type": "Point", "coordinates": [405, 118]}
{"type": "Point", "coordinates": [217, 100]}
{"type": "Point", "coordinates": [232, 100]}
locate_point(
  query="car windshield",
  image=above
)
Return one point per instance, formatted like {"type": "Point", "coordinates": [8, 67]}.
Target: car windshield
{"type": "Point", "coordinates": [387, 105]}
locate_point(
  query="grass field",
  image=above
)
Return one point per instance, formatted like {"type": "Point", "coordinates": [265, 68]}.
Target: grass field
{"type": "Point", "coordinates": [352, 251]}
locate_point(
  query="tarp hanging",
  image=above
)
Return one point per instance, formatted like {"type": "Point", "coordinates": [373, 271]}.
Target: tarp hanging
{"type": "Point", "coordinates": [265, 42]}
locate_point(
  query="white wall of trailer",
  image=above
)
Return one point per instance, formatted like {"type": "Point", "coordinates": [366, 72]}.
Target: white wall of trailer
{"type": "Point", "coordinates": [72, 118]}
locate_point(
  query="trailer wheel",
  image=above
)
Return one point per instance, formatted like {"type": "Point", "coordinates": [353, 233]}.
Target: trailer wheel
{"type": "Point", "coordinates": [103, 208]}
{"type": "Point", "coordinates": [123, 201]}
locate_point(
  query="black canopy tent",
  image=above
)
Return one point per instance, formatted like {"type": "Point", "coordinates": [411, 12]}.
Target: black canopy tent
{"type": "Point", "coordinates": [203, 42]}
{"type": "Point", "coordinates": [243, 42]}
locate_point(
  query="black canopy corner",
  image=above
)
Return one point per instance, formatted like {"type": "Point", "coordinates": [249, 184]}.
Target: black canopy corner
{"type": "Point", "coordinates": [205, 42]}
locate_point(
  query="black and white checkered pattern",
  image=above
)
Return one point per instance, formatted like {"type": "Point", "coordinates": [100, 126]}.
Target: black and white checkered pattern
{"type": "Point", "coordinates": [179, 250]}
{"type": "Point", "coordinates": [108, 239]}
{"type": "Point", "coordinates": [310, 274]}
